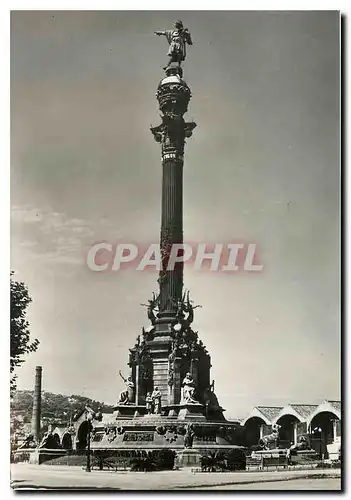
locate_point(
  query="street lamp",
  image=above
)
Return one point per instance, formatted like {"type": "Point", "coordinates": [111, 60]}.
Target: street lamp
{"type": "Point", "coordinates": [89, 418]}
{"type": "Point", "coordinates": [318, 430]}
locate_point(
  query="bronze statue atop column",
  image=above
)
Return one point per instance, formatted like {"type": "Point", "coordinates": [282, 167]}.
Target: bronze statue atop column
{"type": "Point", "coordinates": [178, 39]}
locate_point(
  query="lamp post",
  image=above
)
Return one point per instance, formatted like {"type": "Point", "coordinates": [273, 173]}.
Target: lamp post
{"type": "Point", "coordinates": [89, 418]}
{"type": "Point", "coordinates": [318, 430]}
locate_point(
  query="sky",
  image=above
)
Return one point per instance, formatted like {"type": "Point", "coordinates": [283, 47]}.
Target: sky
{"type": "Point", "coordinates": [262, 167]}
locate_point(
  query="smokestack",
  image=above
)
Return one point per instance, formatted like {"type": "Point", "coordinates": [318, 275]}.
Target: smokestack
{"type": "Point", "coordinates": [36, 415]}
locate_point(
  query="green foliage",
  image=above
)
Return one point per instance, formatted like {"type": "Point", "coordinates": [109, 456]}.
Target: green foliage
{"type": "Point", "coordinates": [20, 343]}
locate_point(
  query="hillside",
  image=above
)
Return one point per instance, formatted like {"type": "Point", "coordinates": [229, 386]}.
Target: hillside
{"type": "Point", "coordinates": [56, 408]}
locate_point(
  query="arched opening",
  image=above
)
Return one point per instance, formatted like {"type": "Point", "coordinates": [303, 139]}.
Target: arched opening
{"type": "Point", "coordinates": [82, 435]}
{"type": "Point", "coordinates": [56, 437]}
{"type": "Point", "coordinates": [287, 431]}
{"type": "Point", "coordinates": [253, 430]}
{"type": "Point", "coordinates": [67, 441]}
{"type": "Point", "coordinates": [323, 429]}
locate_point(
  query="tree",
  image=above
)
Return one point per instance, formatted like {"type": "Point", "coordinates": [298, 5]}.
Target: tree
{"type": "Point", "coordinates": [213, 461]}
{"type": "Point", "coordinates": [20, 342]}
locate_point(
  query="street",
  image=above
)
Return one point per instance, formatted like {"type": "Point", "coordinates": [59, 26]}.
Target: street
{"type": "Point", "coordinates": [25, 476]}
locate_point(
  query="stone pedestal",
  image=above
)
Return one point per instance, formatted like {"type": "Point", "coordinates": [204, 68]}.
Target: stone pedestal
{"type": "Point", "coordinates": [42, 455]}
{"type": "Point", "coordinates": [129, 411]}
{"type": "Point", "coordinates": [188, 458]}
{"type": "Point", "coordinates": [191, 411]}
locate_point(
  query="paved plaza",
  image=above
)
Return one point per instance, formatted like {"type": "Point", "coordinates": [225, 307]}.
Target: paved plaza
{"type": "Point", "coordinates": [25, 476]}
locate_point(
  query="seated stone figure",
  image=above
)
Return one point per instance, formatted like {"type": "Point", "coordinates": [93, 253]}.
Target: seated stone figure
{"type": "Point", "coordinates": [49, 440]}
{"type": "Point", "coordinates": [29, 442]}
{"type": "Point", "coordinates": [212, 405]}
{"type": "Point", "coordinates": [188, 393]}
{"type": "Point", "coordinates": [271, 440]}
{"type": "Point", "coordinates": [302, 444]}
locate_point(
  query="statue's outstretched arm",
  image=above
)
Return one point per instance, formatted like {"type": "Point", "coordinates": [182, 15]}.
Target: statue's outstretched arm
{"type": "Point", "coordinates": [159, 33]}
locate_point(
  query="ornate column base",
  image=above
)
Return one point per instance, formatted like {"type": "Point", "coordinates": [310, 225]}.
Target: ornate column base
{"type": "Point", "coordinates": [186, 411]}
{"type": "Point", "coordinates": [188, 458]}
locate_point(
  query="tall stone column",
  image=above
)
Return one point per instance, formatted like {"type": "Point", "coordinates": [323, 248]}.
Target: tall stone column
{"type": "Point", "coordinates": [173, 95]}
{"type": "Point", "coordinates": [295, 432]}
{"type": "Point", "coordinates": [36, 414]}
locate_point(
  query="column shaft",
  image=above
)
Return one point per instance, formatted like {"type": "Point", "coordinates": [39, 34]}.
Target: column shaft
{"type": "Point", "coordinates": [36, 414]}
{"type": "Point", "coordinates": [171, 281]}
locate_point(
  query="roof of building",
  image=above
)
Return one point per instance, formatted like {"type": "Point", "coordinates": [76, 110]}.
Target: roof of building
{"type": "Point", "coordinates": [334, 404]}
{"type": "Point", "coordinates": [269, 411]}
{"type": "Point", "coordinates": [304, 410]}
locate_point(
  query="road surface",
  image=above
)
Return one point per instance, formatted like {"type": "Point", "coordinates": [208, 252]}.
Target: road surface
{"type": "Point", "coordinates": [25, 476]}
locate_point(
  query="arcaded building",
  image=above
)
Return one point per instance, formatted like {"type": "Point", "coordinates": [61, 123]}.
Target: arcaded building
{"type": "Point", "coordinates": [321, 423]}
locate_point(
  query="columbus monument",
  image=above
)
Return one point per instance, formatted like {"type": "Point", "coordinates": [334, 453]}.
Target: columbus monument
{"type": "Point", "coordinates": [169, 399]}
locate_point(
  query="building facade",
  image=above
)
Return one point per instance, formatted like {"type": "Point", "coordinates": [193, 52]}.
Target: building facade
{"type": "Point", "coordinates": [320, 423]}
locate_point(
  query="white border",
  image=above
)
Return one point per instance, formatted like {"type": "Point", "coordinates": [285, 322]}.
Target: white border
{"type": "Point", "coordinates": [181, 5]}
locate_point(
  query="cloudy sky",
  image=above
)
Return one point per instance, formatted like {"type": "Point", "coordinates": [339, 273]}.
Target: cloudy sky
{"type": "Point", "coordinates": [262, 167]}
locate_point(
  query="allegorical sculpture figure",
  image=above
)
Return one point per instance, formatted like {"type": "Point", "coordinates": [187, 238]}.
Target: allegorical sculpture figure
{"type": "Point", "coordinates": [127, 396]}
{"type": "Point", "coordinates": [156, 400]}
{"type": "Point", "coordinates": [29, 442]}
{"type": "Point", "coordinates": [210, 399]}
{"type": "Point", "coordinates": [270, 439]}
{"type": "Point", "coordinates": [151, 306]}
{"type": "Point", "coordinates": [189, 436]}
{"type": "Point", "coordinates": [302, 444]}
{"type": "Point", "coordinates": [149, 403]}
{"type": "Point", "coordinates": [50, 440]}
{"type": "Point", "coordinates": [188, 386]}
{"type": "Point", "coordinates": [177, 38]}
{"type": "Point", "coordinates": [184, 305]}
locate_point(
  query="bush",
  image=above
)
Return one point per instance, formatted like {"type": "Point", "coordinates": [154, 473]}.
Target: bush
{"type": "Point", "coordinates": [214, 461]}
{"type": "Point", "coordinates": [153, 460]}
{"type": "Point", "coordinates": [236, 459]}
{"type": "Point", "coordinates": [164, 459]}
{"type": "Point", "coordinates": [142, 464]}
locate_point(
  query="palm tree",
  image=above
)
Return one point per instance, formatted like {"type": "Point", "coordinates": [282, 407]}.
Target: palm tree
{"type": "Point", "coordinates": [142, 463]}
{"type": "Point", "coordinates": [213, 461]}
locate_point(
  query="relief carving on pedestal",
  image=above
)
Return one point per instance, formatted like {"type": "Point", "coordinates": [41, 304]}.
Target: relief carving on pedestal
{"type": "Point", "coordinates": [170, 432]}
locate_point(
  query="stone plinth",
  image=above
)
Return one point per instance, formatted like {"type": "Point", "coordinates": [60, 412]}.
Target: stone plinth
{"type": "Point", "coordinates": [151, 432]}
{"type": "Point", "coordinates": [304, 456]}
{"type": "Point", "coordinates": [188, 458]}
{"type": "Point", "coordinates": [41, 455]}
{"type": "Point", "coordinates": [273, 457]}
{"type": "Point", "coordinates": [191, 411]}
{"type": "Point", "coordinates": [129, 411]}
{"type": "Point", "coordinates": [274, 453]}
